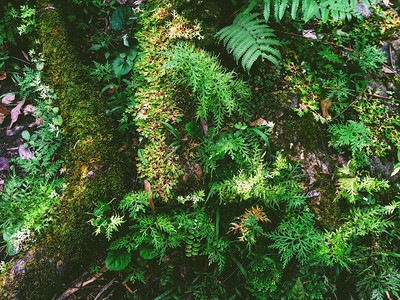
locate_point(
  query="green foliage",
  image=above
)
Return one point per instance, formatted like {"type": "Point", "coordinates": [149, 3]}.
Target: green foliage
{"type": "Point", "coordinates": [376, 284]}
{"type": "Point", "coordinates": [309, 8]}
{"type": "Point", "coordinates": [352, 135]}
{"type": "Point", "coordinates": [297, 292]}
{"type": "Point", "coordinates": [296, 237]}
{"type": "Point", "coordinates": [248, 39]}
{"type": "Point", "coordinates": [350, 184]}
{"type": "Point", "coordinates": [28, 203]}
{"type": "Point", "coordinates": [122, 16]}
{"type": "Point", "coordinates": [218, 92]}
{"type": "Point", "coordinates": [118, 260]}
{"type": "Point", "coordinates": [16, 21]}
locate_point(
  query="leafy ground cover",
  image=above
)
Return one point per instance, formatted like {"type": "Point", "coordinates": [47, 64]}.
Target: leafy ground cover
{"type": "Point", "coordinates": [153, 150]}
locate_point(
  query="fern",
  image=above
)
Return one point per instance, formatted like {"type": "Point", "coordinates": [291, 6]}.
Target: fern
{"type": "Point", "coordinates": [296, 237]}
{"type": "Point", "coordinates": [248, 39]}
{"type": "Point", "coordinates": [338, 9]}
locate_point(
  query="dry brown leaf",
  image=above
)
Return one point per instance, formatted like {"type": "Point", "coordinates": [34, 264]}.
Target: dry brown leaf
{"type": "Point", "coordinates": [8, 99]}
{"type": "Point", "coordinates": [325, 105]}
{"type": "Point", "coordinates": [147, 188]}
{"type": "Point", "coordinates": [3, 75]}
{"type": "Point", "coordinates": [15, 112]}
{"type": "Point", "coordinates": [4, 111]}
{"type": "Point", "coordinates": [25, 55]}
{"type": "Point", "coordinates": [387, 70]}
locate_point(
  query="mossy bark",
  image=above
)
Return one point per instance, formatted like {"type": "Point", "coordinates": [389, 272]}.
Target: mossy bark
{"type": "Point", "coordinates": [93, 170]}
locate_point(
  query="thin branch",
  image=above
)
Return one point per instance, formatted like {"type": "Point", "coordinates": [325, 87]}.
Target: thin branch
{"type": "Point", "coordinates": [105, 288]}
{"type": "Point", "coordinates": [351, 104]}
{"type": "Point", "coordinates": [369, 94]}
{"type": "Point", "coordinates": [339, 46]}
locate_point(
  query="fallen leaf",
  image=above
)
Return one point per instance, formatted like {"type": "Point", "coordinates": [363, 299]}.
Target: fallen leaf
{"type": "Point", "coordinates": [38, 122]}
{"type": "Point", "coordinates": [3, 75]}
{"type": "Point", "coordinates": [387, 70]}
{"type": "Point", "coordinates": [4, 111]}
{"type": "Point", "coordinates": [259, 122]}
{"type": "Point", "coordinates": [205, 127]}
{"type": "Point", "coordinates": [24, 152]}
{"type": "Point", "coordinates": [25, 55]}
{"type": "Point", "coordinates": [4, 165]}
{"type": "Point", "coordinates": [325, 105]}
{"type": "Point", "coordinates": [29, 110]}
{"type": "Point", "coordinates": [147, 188]}
{"type": "Point", "coordinates": [121, 1]}
{"type": "Point", "coordinates": [15, 130]}
{"type": "Point", "coordinates": [15, 112]}
{"type": "Point", "coordinates": [8, 99]}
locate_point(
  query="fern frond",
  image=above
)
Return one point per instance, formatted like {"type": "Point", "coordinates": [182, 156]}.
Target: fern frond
{"type": "Point", "coordinates": [249, 38]}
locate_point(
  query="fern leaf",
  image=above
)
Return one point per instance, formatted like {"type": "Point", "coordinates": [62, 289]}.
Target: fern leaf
{"type": "Point", "coordinates": [249, 38]}
{"type": "Point", "coordinates": [277, 6]}
{"type": "Point", "coordinates": [267, 9]}
{"type": "Point", "coordinates": [324, 14]}
{"type": "Point", "coordinates": [311, 10]}
{"type": "Point", "coordinates": [282, 9]}
{"type": "Point", "coordinates": [294, 8]}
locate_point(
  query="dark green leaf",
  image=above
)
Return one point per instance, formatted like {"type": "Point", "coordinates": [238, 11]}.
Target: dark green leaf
{"type": "Point", "coordinates": [118, 260]}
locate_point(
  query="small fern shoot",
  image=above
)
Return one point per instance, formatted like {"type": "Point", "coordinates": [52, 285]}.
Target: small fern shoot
{"type": "Point", "coordinates": [248, 38]}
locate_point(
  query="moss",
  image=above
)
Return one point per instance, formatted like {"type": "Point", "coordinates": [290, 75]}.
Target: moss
{"type": "Point", "coordinates": [92, 166]}
{"type": "Point", "coordinates": [161, 27]}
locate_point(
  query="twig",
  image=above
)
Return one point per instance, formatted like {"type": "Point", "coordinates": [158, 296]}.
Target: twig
{"type": "Point", "coordinates": [339, 46]}
{"type": "Point", "coordinates": [351, 104]}
{"type": "Point", "coordinates": [76, 288]}
{"type": "Point", "coordinates": [128, 288]}
{"type": "Point", "coordinates": [368, 94]}
{"type": "Point", "coordinates": [105, 288]}
{"type": "Point", "coordinates": [21, 60]}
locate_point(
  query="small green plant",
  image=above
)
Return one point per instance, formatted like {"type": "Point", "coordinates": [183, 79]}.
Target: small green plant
{"type": "Point", "coordinates": [353, 187]}
{"type": "Point", "coordinates": [249, 38]}
{"type": "Point", "coordinates": [296, 237]}
{"type": "Point", "coordinates": [28, 203]}
{"type": "Point", "coordinates": [218, 92]}
{"type": "Point", "coordinates": [354, 136]}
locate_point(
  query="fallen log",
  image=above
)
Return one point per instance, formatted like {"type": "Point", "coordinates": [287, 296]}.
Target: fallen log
{"type": "Point", "coordinates": [92, 170]}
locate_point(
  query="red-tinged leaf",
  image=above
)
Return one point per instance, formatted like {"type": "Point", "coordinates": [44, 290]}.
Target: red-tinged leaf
{"type": "Point", "coordinates": [8, 99]}
{"type": "Point", "coordinates": [4, 111]}
{"type": "Point", "coordinates": [259, 122]}
{"type": "Point", "coordinates": [4, 166]}
{"type": "Point", "coordinates": [3, 75]}
{"type": "Point", "coordinates": [15, 112]}
{"type": "Point", "coordinates": [24, 153]}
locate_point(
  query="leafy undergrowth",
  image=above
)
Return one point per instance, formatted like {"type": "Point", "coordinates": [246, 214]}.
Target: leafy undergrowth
{"type": "Point", "coordinates": [218, 210]}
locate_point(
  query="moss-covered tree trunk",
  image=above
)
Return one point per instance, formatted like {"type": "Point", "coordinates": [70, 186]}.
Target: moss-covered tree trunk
{"type": "Point", "coordinates": [92, 169]}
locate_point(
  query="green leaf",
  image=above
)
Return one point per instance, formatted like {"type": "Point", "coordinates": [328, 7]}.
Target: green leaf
{"type": "Point", "coordinates": [123, 15]}
{"type": "Point", "coordinates": [194, 130]}
{"type": "Point", "coordinates": [148, 253]}
{"type": "Point", "coordinates": [297, 292]}
{"type": "Point", "coordinates": [26, 135]}
{"type": "Point", "coordinates": [96, 47]}
{"type": "Point", "coordinates": [118, 260]}
{"type": "Point", "coordinates": [121, 66]}
{"type": "Point", "coordinates": [58, 121]}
